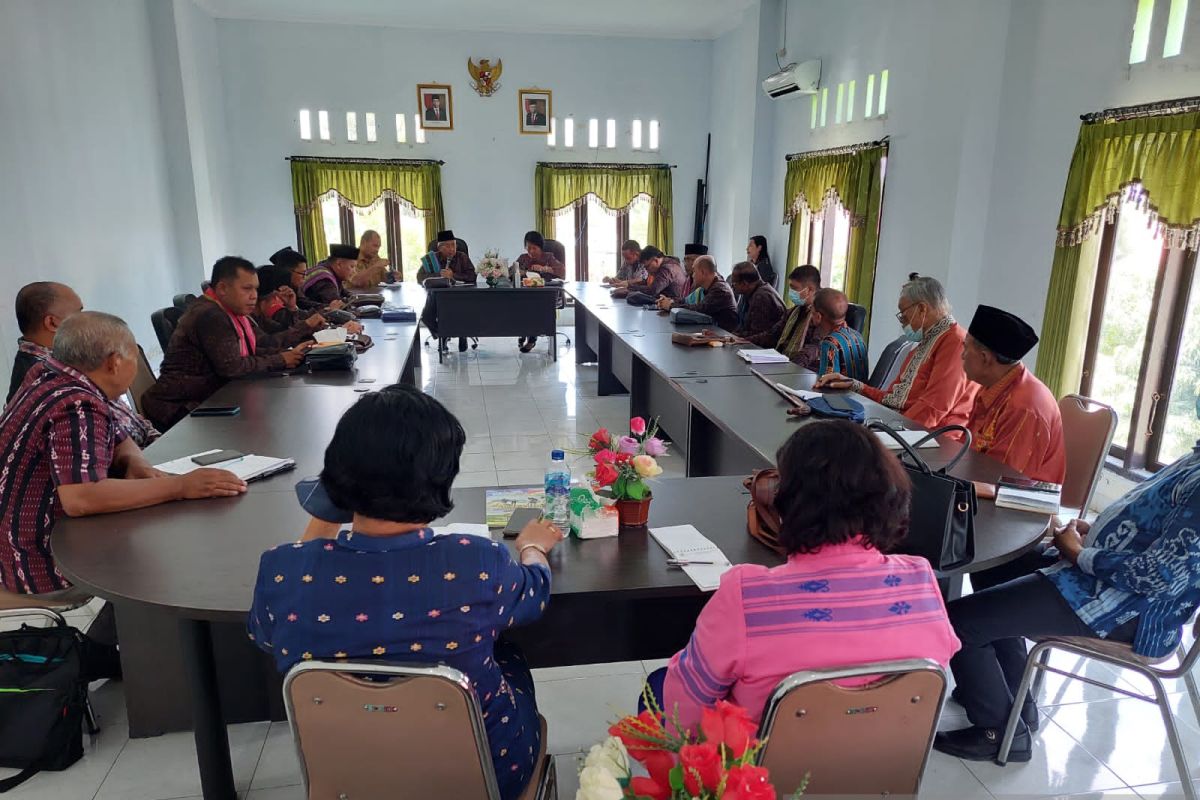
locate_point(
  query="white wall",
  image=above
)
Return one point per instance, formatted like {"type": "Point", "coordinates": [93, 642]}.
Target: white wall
{"type": "Point", "coordinates": [85, 197]}
{"type": "Point", "coordinates": [270, 70]}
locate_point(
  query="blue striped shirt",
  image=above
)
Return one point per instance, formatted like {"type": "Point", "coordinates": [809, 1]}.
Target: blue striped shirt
{"type": "Point", "coordinates": [844, 351]}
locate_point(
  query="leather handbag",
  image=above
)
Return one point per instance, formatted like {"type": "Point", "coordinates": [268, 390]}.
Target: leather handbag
{"type": "Point", "coordinates": [941, 525]}
{"type": "Point", "coordinates": [762, 519]}
{"type": "Point", "coordinates": [685, 316]}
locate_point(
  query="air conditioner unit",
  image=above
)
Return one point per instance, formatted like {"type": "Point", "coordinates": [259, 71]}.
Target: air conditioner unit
{"type": "Point", "coordinates": [804, 78]}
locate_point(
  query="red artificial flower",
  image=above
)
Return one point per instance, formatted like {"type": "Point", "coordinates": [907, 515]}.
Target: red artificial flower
{"type": "Point", "coordinates": [637, 426]}
{"type": "Point", "coordinates": [600, 440]}
{"type": "Point", "coordinates": [639, 734]}
{"type": "Point", "coordinates": [606, 474]}
{"type": "Point", "coordinates": [749, 783]}
{"type": "Point", "coordinates": [623, 458]}
{"type": "Point", "coordinates": [659, 764]}
{"type": "Point", "coordinates": [605, 457]}
{"type": "Point", "coordinates": [729, 725]}
{"type": "Point", "coordinates": [701, 767]}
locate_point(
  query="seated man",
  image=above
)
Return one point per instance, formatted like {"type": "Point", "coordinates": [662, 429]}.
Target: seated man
{"type": "Point", "coordinates": [794, 335]}
{"type": "Point", "coordinates": [446, 262]}
{"type": "Point", "coordinates": [691, 252]}
{"type": "Point", "coordinates": [665, 278]}
{"type": "Point", "coordinates": [1015, 418]}
{"type": "Point", "coordinates": [297, 267]}
{"type": "Point", "coordinates": [215, 342]}
{"type": "Point", "coordinates": [842, 348]}
{"type": "Point", "coordinates": [323, 283]}
{"type": "Point", "coordinates": [370, 270]}
{"type": "Point", "coordinates": [68, 457]}
{"type": "Point", "coordinates": [277, 310]}
{"type": "Point", "coordinates": [41, 308]}
{"type": "Point", "coordinates": [716, 298]}
{"type": "Point", "coordinates": [537, 259]}
{"type": "Point", "coordinates": [630, 268]}
{"type": "Point", "coordinates": [1132, 576]}
{"type": "Point", "coordinates": [759, 306]}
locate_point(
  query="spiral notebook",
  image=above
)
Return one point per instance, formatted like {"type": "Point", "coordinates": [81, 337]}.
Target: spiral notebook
{"type": "Point", "coordinates": [686, 543]}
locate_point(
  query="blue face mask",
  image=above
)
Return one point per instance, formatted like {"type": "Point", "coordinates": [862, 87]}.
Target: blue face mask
{"type": "Point", "coordinates": [796, 298]}
{"type": "Point", "coordinates": [911, 334]}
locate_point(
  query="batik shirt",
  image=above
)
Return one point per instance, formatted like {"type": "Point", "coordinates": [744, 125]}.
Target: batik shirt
{"type": "Point", "coordinates": [412, 597]}
{"type": "Point", "coordinates": [843, 350]}
{"type": "Point", "coordinates": [321, 285]}
{"type": "Point", "coordinates": [634, 272]}
{"type": "Point", "coordinates": [758, 311]}
{"type": "Point", "coordinates": [717, 302]}
{"type": "Point", "coordinates": [1141, 559]}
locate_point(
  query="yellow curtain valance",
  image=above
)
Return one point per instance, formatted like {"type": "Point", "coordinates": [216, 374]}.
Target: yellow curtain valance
{"type": "Point", "coordinates": [616, 186]}
{"type": "Point", "coordinates": [813, 181]}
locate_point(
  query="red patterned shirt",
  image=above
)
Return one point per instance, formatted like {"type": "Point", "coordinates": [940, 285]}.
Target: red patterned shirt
{"type": "Point", "coordinates": [58, 430]}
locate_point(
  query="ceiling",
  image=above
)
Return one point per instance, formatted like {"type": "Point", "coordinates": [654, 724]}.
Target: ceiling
{"type": "Point", "coordinates": [658, 19]}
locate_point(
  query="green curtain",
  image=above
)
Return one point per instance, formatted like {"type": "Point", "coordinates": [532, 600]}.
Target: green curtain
{"type": "Point", "coordinates": [1152, 160]}
{"type": "Point", "coordinates": [616, 186]}
{"type": "Point", "coordinates": [418, 185]}
{"type": "Point", "coordinates": [856, 178]}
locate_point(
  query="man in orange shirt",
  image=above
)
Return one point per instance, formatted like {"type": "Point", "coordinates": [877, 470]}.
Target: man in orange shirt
{"type": "Point", "coordinates": [1015, 418]}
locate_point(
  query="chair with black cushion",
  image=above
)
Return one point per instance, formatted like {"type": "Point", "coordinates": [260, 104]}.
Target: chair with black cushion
{"type": "Point", "coordinates": [856, 316]}
{"type": "Point", "coordinates": [556, 249]}
{"type": "Point", "coordinates": [181, 301]}
{"type": "Point", "coordinates": [890, 362]}
{"type": "Point", "coordinates": [164, 321]}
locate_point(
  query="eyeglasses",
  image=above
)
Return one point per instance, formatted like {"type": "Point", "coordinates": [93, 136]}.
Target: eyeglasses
{"type": "Point", "coordinates": [900, 314]}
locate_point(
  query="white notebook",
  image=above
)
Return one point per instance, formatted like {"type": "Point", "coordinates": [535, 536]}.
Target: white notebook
{"type": "Point", "coordinates": [802, 394]}
{"type": "Point", "coordinates": [1027, 500]}
{"type": "Point", "coordinates": [248, 467]}
{"type": "Point", "coordinates": [687, 543]}
{"type": "Point", "coordinates": [763, 356]}
{"type": "Point", "coordinates": [912, 437]}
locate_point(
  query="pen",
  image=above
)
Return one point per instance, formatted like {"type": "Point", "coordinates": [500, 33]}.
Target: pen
{"type": "Point", "coordinates": [681, 562]}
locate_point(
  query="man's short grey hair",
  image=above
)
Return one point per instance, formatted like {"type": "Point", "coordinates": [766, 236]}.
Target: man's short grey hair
{"type": "Point", "coordinates": [706, 261]}
{"type": "Point", "coordinates": [86, 340]}
{"type": "Point", "coordinates": [928, 291]}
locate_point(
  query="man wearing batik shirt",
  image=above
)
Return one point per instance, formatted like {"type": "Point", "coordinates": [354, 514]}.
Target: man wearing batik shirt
{"type": "Point", "coordinates": [297, 268]}
{"type": "Point", "coordinates": [1015, 418]}
{"type": "Point", "coordinates": [68, 457]}
{"type": "Point", "coordinates": [759, 305]}
{"type": "Point", "coordinates": [446, 261]}
{"type": "Point", "coordinates": [41, 308]}
{"type": "Point", "coordinates": [691, 292]}
{"type": "Point", "coordinates": [842, 349]}
{"type": "Point", "coordinates": [666, 276]}
{"type": "Point", "coordinates": [323, 283]}
{"type": "Point", "coordinates": [630, 268]}
{"type": "Point", "coordinates": [716, 298]}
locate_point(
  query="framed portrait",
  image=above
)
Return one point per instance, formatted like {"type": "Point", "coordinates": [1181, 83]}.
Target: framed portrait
{"type": "Point", "coordinates": [436, 106]}
{"type": "Point", "coordinates": [535, 110]}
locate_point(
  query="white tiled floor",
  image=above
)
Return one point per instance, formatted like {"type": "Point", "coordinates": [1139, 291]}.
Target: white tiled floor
{"type": "Point", "coordinates": [515, 407]}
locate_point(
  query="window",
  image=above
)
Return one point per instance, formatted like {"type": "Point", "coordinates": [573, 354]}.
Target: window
{"type": "Point", "coordinates": [868, 110]}
{"type": "Point", "coordinates": [841, 104]}
{"type": "Point", "coordinates": [305, 125]}
{"type": "Point", "coordinates": [1143, 348]}
{"type": "Point", "coordinates": [593, 133]}
{"type": "Point", "coordinates": [635, 135]}
{"type": "Point", "coordinates": [552, 136]}
{"type": "Point", "coordinates": [816, 103]}
{"type": "Point", "coordinates": [569, 132]}
{"type": "Point", "coordinates": [883, 87]}
{"type": "Point", "coordinates": [610, 133]}
{"type": "Point", "coordinates": [824, 105]}
{"type": "Point", "coordinates": [1140, 46]}
{"type": "Point", "coordinates": [371, 132]}
{"type": "Point", "coordinates": [850, 101]}
{"type": "Point", "coordinates": [419, 132]}
{"type": "Point", "coordinates": [402, 232]}
{"type": "Point", "coordinates": [828, 245]}
{"type": "Point", "coordinates": [1176, 21]}
{"type": "Point", "coordinates": [592, 235]}
{"type": "Point", "coordinates": [351, 126]}
{"type": "Point", "coordinates": [401, 133]}
{"type": "Point", "coordinates": [323, 125]}
{"type": "Point", "coordinates": [653, 134]}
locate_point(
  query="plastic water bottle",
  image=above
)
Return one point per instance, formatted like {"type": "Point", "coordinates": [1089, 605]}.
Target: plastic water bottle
{"type": "Point", "coordinates": [558, 489]}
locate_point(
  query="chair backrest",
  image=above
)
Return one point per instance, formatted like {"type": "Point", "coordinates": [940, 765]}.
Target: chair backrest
{"type": "Point", "coordinates": [364, 729]}
{"type": "Point", "coordinates": [181, 301]}
{"type": "Point", "coordinates": [1088, 428]}
{"type": "Point", "coordinates": [856, 316]}
{"type": "Point", "coordinates": [142, 380]}
{"type": "Point", "coordinates": [556, 249]}
{"type": "Point", "coordinates": [462, 246]}
{"type": "Point", "coordinates": [889, 363]}
{"type": "Point", "coordinates": [163, 321]}
{"type": "Point", "coordinates": [871, 740]}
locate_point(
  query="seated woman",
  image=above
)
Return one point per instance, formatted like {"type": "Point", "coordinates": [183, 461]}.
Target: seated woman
{"type": "Point", "coordinates": [931, 389]}
{"type": "Point", "coordinates": [387, 588]}
{"type": "Point", "coordinates": [838, 601]}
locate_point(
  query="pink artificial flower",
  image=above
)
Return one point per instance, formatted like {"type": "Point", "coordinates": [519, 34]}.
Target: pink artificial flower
{"type": "Point", "coordinates": [627, 444]}
{"type": "Point", "coordinates": [637, 426]}
{"type": "Point", "coordinates": [656, 447]}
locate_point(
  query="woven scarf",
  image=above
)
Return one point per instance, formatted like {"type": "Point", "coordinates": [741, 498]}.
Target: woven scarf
{"type": "Point", "coordinates": [430, 264]}
{"type": "Point", "coordinates": [795, 331]}
{"type": "Point", "coordinates": [241, 325]}
{"type": "Point", "coordinates": [317, 274]}
{"type": "Point", "coordinates": [897, 396]}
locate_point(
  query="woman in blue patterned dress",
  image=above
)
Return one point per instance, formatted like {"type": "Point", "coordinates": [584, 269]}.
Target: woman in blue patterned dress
{"type": "Point", "coordinates": [388, 588]}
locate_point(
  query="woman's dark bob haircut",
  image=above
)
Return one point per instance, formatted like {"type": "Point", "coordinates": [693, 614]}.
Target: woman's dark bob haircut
{"type": "Point", "coordinates": [836, 482]}
{"type": "Point", "coordinates": [394, 456]}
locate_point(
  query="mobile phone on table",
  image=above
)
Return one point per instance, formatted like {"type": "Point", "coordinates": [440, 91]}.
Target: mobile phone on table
{"type": "Point", "coordinates": [205, 459]}
{"type": "Point", "coordinates": [217, 411]}
{"type": "Point", "coordinates": [1029, 484]}
{"type": "Point", "coordinates": [519, 519]}
{"type": "Point", "coordinates": [836, 401]}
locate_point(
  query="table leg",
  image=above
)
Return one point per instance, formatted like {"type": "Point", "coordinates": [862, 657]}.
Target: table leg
{"type": "Point", "coordinates": [583, 352]}
{"type": "Point", "coordinates": [208, 721]}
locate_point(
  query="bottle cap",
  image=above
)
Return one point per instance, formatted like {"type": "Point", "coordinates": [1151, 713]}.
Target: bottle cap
{"type": "Point", "coordinates": [557, 455]}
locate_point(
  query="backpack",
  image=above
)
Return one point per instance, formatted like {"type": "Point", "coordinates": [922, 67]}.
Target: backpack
{"type": "Point", "coordinates": [43, 694]}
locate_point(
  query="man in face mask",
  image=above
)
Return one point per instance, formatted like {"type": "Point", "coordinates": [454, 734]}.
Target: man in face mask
{"type": "Point", "coordinates": [792, 335]}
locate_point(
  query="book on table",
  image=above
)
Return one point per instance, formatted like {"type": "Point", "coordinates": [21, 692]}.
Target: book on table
{"type": "Point", "coordinates": [247, 467]}
{"type": "Point", "coordinates": [762, 356]}
{"type": "Point", "coordinates": [702, 560]}
{"type": "Point", "coordinates": [1035, 500]}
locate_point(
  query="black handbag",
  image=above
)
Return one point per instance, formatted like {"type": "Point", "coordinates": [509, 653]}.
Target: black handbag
{"type": "Point", "coordinates": [43, 692]}
{"type": "Point", "coordinates": [941, 526]}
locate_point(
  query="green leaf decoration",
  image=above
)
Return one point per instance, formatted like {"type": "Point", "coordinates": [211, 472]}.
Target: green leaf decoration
{"type": "Point", "coordinates": [635, 490]}
{"type": "Point", "coordinates": [676, 778]}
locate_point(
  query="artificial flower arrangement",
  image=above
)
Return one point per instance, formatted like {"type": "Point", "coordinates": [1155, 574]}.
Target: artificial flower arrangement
{"type": "Point", "coordinates": [715, 763]}
{"type": "Point", "coordinates": [623, 464]}
{"type": "Point", "coordinates": [492, 268]}
{"type": "Point", "coordinates": [533, 280]}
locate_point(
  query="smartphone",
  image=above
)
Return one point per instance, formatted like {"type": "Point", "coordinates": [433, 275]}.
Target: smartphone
{"type": "Point", "coordinates": [519, 519]}
{"type": "Point", "coordinates": [836, 401]}
{"type": "Point", "coordinates": [217, 411]}
{"type": "Point", "coordinates": [1029, 484]}
{"type": "Point", "coordinates": [216, 458]}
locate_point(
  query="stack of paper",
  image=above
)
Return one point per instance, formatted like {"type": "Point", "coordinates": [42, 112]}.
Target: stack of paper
{"type": "Point", "coordinates": [912, 437]}
{"type": "Point", "coordinates": [248, 468]}
{"type": "Point", "coordinates": [685, 543]}
{"type": "Point", "coordinates": [763, 356]}
{"type": "Point", "coordinates": [1028, 500]}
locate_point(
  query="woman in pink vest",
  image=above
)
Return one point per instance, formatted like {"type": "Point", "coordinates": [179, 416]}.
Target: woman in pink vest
{"type": "Point", "coordinates": [840, 600]}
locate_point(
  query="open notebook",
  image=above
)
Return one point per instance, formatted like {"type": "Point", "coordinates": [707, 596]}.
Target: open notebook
{"type": "Point", "coordinates": [686, 543]}
{"type": "Point", "coordinates": [249, 467]}
{"type": "Point", "coordinates": [911, 437]}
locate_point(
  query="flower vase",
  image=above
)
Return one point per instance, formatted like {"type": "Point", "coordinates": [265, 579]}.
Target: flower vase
{"type": "Point", "coordinates": [634, 513]}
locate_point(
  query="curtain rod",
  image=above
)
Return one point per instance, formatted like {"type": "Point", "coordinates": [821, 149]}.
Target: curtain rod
{"type": "Point", "coordinates": [837, 151]}
{"type": "Point", "coordinates": [365, 160]}
{"type": "Point", "coordinates": [601, 165]}
{"type": "Point", "coordinates": [1161, 108]}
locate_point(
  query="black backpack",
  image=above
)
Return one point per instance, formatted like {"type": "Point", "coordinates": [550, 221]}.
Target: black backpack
{"type": "Point", "coordinates": [43, 694]}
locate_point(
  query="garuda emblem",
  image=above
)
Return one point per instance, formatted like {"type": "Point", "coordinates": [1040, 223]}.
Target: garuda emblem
{"type": "Point", "coordinates": [485, 78]}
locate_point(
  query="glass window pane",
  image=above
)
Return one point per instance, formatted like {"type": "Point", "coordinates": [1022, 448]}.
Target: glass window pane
{"type": "Point", "coordinates": [374, 220]}
{"type": "Point", "coordinates": [330, 221]}
{"type": "Point", "coordinates": [841, 245]}
{"type": "Point", "coordinates": [413, 243]}
{"type": "Point", "coordinates": [1181, 428]}
{"type": "Point", "coordinates": [815, 240]}
{"type": "Point", "coordinates": [1127, 304]}
{"type": "Point", "coordinates": [639, 220]}
{"type": "Point", "coordinates": [601, 241]}
{"type": "Point", "coordinates": [564, 232]}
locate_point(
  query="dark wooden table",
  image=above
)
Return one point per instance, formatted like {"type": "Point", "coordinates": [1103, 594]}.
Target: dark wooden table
{"type": "Point", "coordinates": [479, 312]}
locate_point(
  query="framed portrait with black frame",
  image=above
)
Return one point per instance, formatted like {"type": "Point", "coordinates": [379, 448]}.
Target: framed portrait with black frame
{"type": "Point", "coordinates": [436, 107]}
{"type": "Point", "coordinates": [535, 110]}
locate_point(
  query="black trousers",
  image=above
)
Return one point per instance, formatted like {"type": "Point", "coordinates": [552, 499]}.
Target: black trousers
{"type": "Point", "coordinates": [1010, 602]}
